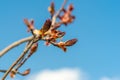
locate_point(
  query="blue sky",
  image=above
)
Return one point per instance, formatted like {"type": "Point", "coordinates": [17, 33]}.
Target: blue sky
{"type": "Point", "coordinates": [96, 27]}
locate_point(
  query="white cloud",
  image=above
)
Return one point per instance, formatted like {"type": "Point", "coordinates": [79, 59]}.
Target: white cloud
{"type": "Point", "coordinates": [65, 74]}
{"type": "Point", "coordinates": [110, 78]}
{"type": "Point", "coordinates": [61, 74]}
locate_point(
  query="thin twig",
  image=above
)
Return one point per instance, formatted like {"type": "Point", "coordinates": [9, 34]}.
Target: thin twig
{"type": "Point", "coordinates": [23, 61]}
{"type": "Point", "coordinates": [24, 56]}
{"type": "Point", "coordinates": [14, 45]}
{"type": "Point", "coordinates": [3, 71]}
{"type": "Point", "coordinates": [14, 64]}
{"type": "Point", "coordinates": [29, 45]}
{"type": "Point", "coordinates": [56, 15]}
{"type": "Point", "coordinates": [31, 37]}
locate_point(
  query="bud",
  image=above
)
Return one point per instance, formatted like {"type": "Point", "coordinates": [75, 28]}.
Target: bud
{"type": "Point", "coordinates": [51, 9]}
{"type": "Point", "coordinates": [70, 7]}
{"type": "Point", "coordinates": [29, 24]}
{"type": "Point", "coordinates": [56, 34]}
{"type": "Point", "coordinates": [33, 48]}
{"type": "Point", "coordinates": [13, 73]}
{"type": "Point", "coordinates": [70, 42]}
{"type": "Point", "coordinates": [46, 26]}
{"type": "Point", "coordinates": [26, 72]}
{"type": "Point", "coordinates": [60, 34]}
{"type": "Point", "coordinates": [61, 45]}
{"type": "Point", "coordinates": [67, 18]}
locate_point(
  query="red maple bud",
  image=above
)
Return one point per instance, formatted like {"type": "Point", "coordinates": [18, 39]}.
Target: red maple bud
{"type": "Point", "coordinates": [46, 26]}
{"type": "Point", "coordinates": [60, 34]}
{"type": "Point", "coordinates": [67, 18]}
{"type": "Point", "coordinates": [70, 42]}
{"type": "Point", "coordinates": [63, 45]}
{"type": "Point", "coordinates": [70, 7]}
{"type": "Point", "coordinates": [56, 34]}
{"type": "Point", "coordinates": [26, 72]}
{"type": "Point", "coordinates": [30, 24]}
{"type": "Point", "coordinates": [13, 73]}
{"type": "Point", "coordinates": [60, 45]}
{"type": "Point", "coordinates": [51, 8]}
{"type": "Point", "coordinates": [33, 48]}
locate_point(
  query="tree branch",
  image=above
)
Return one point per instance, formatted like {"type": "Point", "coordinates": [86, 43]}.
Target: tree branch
{"type": "Point", "coordinates": [3, 71]}
{"type": "Point", "coordinates": [14, 45]}
{"type": "Point", "coordinates": [23, 61]}
{"type": "Point", "coordinates": [22, 55]}
{"type": "Point", "coordinates": [32, 39]}
{"type": "Point", "coordinates": [56, 15]}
